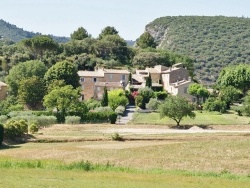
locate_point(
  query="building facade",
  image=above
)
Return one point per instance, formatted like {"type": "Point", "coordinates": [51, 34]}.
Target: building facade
{"type": "Point", "coordinates": [93, 82]}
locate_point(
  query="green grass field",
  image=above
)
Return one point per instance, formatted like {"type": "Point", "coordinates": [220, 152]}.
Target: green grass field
{"type": "Point", "coordinates": [175, 160]}
{"type": "Point", "coordinates": [204, 118]}
{"type": "Point", "coordinates": [16, 178]}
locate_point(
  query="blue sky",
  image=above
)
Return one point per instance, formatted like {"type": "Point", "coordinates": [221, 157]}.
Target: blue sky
{"type": "Point", "coordinates": [129, 17]}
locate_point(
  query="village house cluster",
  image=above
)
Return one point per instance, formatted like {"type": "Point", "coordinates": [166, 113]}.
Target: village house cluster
{"type": "Point", "coordinates": [175, 80]}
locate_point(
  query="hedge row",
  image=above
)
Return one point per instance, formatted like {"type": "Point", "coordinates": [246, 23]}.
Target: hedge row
{"type": "Point", "coordinates": [100, 117]}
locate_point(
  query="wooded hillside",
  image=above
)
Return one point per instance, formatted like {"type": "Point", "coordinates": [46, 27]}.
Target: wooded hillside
{"type": "Point", "coordinates": [214, 42]}
{"type": "Point", "coordinates": [11, 32]}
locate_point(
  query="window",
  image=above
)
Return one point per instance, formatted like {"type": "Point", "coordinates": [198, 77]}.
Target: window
{"type": "Point", "coordinates": [98, 88]}
{"type": "Point", "coordinates": [94, 79]}
{"type": "Point", "coordinates": [82, 79]}
{"type": "Point", "coordinates": [123, 77]}
{"type": "Point", "coordinates": [111, 76]}
{"type": "Point", "coordinates": [82, 87]}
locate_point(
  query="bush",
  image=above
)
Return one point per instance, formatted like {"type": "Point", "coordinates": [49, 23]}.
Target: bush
{"type": "Point", "coordinates": [238, 109]}
{"type": "Point", "coordinates": [14, 129]}
{"type": "Point", "coordinates": [146, 93]}
{"type": "Point", "coordinates": [33, 128]}
{"type": "Point", "coordinates": [1, 134]}
{"type": "Point", "coordinates": [153, 104]}
{"type": "Point", "coordinates": [213, 104]}
{"type": "Point", "coordinates": [117, 137]}
{"type": "Point", "coordinates": [161, 95]}
{"type": "Point", "coordinates": [3, 118]}
{"type": "Point", "coordinates": [72, 120]}
{"type": "Point", "coordinates": [103, 109]}
{"type": "Point", "coordinates": [20, 113]}
{"type": "Point", "coordinates": [120, 110]}
{"type": "Point", "coordinates": [41, 121]}
{"type": "Point", "coordinates": [42, 113]}
{"type": "Point", "coordinates": [100, 117]}
{"type": "Point", "coordinates": [140, 102]}
{"type": "Point", "coordinates": [92, 104]}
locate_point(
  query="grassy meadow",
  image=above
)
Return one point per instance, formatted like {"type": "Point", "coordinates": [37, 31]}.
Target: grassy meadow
{"type": "Point", "coordinates": [204, 118]}
{"type": "Point", "coordinates": [55, 158]}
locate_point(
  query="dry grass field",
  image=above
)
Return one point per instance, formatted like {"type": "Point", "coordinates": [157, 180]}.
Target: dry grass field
{"type": "Point", "coordinates": [163, 152]}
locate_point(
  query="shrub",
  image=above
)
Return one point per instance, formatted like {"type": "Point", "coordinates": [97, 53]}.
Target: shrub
{"type": "Point", "coordinates": [92, 104]}
{"type": "Point", "coordinates": [72, 120]}
{"type": "Point", "coordinates": [1, 134]}
{"type": "Point", "coordinates": [41, 121]}
{"type": "Point", "coordinates": [117, 137]}
{"type": "Point", "coordinates": [238, 109]}
{"type": "Point", "coordinates": [120, 110]}
{"type": "Point", "coordinates": [19, 113]}
{"type": "Point", "coordinates": [117, 98]}
{"type": "Point", "coordinates": [100, 117]}
{"type": "Point", "coordinates": [13, 129]}
{"type": "Point", "coordinates": [161, 95]}
{"type": "Point", "coordinates": [146, 94]}
{"type": "Point", "coordinates": [3, 118]}
{"type": "Point", "coordinates": [140, 102]}
{"type": "Point", "coordinates": [33, 128]}
{"type": "Point", "coordinates": [103, 109]}
{"type": "Point", "coordinates": [153, 104]}
{"type": "Point", "coordinates": [44, 113]}
{"type": "Point", "coordinates": [213, 104]}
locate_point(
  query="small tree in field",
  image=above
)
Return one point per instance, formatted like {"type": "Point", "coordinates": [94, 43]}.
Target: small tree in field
{"type": "Point", "coordinates": [176, 108]}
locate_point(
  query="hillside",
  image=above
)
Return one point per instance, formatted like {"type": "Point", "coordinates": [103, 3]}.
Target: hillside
{"type": "Point", "coordinates": [214, 42]}
{"type": "Point", "coordinates": [12, 32]}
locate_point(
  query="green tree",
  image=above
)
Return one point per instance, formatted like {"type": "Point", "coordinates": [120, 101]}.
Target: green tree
{"type": "Point", "coordinates": [112, 47]}
{"type": "Point", "coordinates": [10, 104]}
{"type": "Point", "coordinates": [148, 59]}
{"type": "Point", "coordinates": [117, 98]}
{"type": "Point", "coordinates": [198, 91]}
{"type": "Point", "coordinates": [149, 81]}
{"type": "Point", "coordinates": [23, 71]}
{"type": "Point", "coordinates": [31, 92]}
{"type": "Point", "coordinates": [79, 34]}
{"type": "Point", "coordinates": [108, 31]}
{"type": "Point", "coordinates": [65, 71]}
{"type": "Point", "coordinates": [62, 99]}
{"type": "Point", "coordinates": [146, 41]}
{"type": "Point", "coordinates": [237, 76]}
{"type": "Point", "coordinates": [176, 108]}
{"type": "Point", "coordinates": [39, 44]}
{"type": "Point", "coordinates": [246, 104]}
{"type": "Point", "coordinates": [147, 93]}
{"type": "Point", "coordinates": [105, 99]}
{"type": "Point", "coordinates": [229, 95]}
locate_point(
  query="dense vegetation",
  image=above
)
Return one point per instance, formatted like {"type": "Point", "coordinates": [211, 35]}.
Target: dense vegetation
{"type": "Point", "coordinates": [214, 42]}
{"type": "Point", "coordinates": [15, 34]}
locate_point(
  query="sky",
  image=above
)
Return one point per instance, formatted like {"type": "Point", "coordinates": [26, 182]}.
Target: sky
{"type": "Point", "coordinates": [129, 17]}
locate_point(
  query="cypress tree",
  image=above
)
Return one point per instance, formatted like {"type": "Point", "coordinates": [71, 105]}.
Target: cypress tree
{"type": "Point", "coordinates": [130, 78]}
{"type": "Point", "coordinates": [149, 81]}
{"type": "Point", "coordinates": [105, 100]}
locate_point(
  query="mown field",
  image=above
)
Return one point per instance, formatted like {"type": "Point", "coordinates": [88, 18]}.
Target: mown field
{"type": "Point", "coordinates": [142, 160]}
{"type": "Point", "coordinates": [204, 118]}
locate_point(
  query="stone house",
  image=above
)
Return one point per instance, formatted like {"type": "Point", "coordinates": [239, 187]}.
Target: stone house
{"type": "Point", "coordinates": [175, 80]}
{"type": "Point", "coordinates": [93, 82]}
